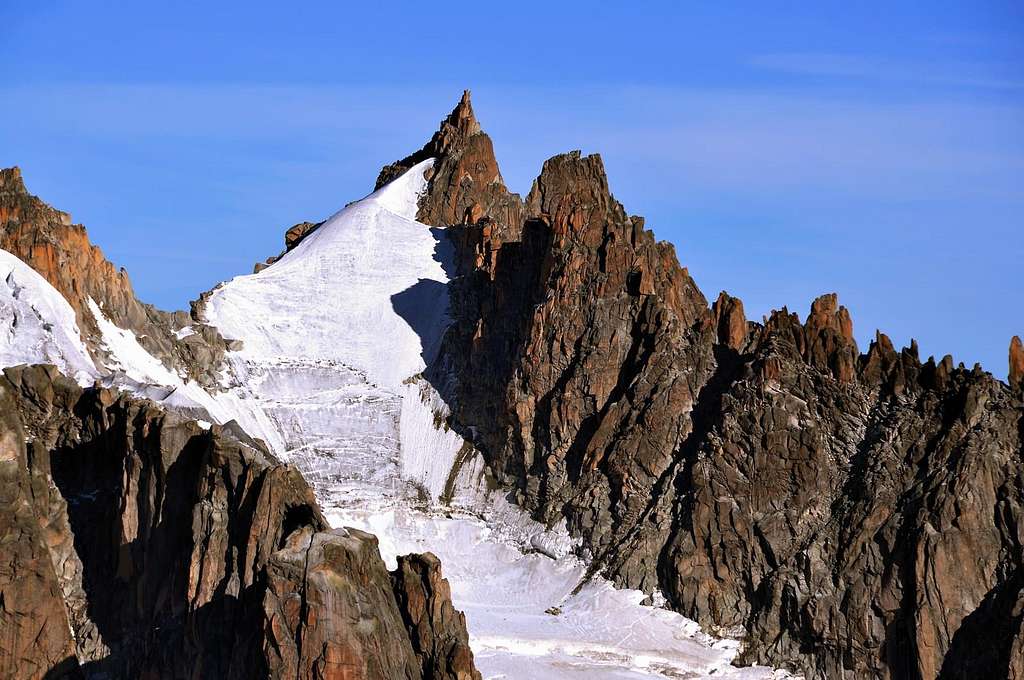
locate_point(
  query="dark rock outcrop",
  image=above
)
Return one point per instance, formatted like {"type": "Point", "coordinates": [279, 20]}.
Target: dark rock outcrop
{"type": "Point", "coordinates": [465, 183]}
{"type": "Point", "coordinates": [35, 635]}
{"type": "Point", "coordinates": [331, 612]}
{"type": "Point", "coordinates": [48, 241]}
{"type": "Point", "coordinates": [295, 234]}
{"type": "Point", "coordinates": [292, 237]}
{"type": "Point", "coordinates": [436, 628]}
{"type": "Point", "coordinates": [851, 515]}
{"type": "Point", "coordinates": [730, 321]}
{"type": "Point", "coordinates": [138, 544]}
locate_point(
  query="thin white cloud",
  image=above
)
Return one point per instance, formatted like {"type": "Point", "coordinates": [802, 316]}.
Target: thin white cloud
{"type": "Point", "coordinates": [754, 141]}
{"type": "Point", "coordinates": [953, 74]}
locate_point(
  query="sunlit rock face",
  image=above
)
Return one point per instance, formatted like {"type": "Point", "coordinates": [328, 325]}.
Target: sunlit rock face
{"type": "Point", "coordinates": [853, 514]}
{"type": "Point", "coordinates": [47, 240]}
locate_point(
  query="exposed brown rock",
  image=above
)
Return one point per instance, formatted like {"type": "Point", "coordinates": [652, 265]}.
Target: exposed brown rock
{"type": "Point", "coordinates": [829, 338]}
{"type": "Point", "coordinates": [567, 332]}
{"type": "Point", "coordinates": [48, 241]}
{"type": "Point", "coordinates": [730, 321]}
{"type": "Point", "coordinates": [858, 516]}
{"type": "Point", "coordinates": [35, 636]}
{"type": "Point", "coordinates": [331, 612]}
{"type": "Point", "coordinates": [292, 237]}
{"type": "Point", "coordinates": [295, 234]}
{"type": "Point", "coordinates": [465, 174]}
{"type": "Point", "coordinates": [146, 546]}
{"type": "Point", "coordinates": [1016, 363]}
{"type": "Point", "coordinates": [436, 628]}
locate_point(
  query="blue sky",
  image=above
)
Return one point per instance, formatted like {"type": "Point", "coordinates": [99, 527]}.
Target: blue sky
{"type": "Point", "coordinates": [786, 150]}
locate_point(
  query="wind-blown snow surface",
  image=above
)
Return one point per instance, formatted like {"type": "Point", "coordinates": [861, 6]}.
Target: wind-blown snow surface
{"type": "Point", "coordinates": [335, 336]}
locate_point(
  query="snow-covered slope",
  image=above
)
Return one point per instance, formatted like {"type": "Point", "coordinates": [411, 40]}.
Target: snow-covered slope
{"type": "Point", "coordinates": [335, 336]}
{"type": "Point", "coordinates": [130, 367]}
{"type": "Point", "coordinates": [37, 325]}
{"type": "Point", "coordinates": [525, 620]}
{"type": "Point", "coordinates": [361, 290]}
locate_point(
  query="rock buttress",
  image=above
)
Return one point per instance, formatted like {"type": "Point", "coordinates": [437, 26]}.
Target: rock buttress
{"type": "Point", "coordinates": [48, 241]}
{"type": "Point", "coordinates": [146, 546]}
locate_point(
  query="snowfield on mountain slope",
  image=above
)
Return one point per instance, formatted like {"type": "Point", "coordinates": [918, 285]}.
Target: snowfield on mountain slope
{"type": "Point", "coordinates": [335, 335]}
{"type": "Point", "coordinates": [39, 325]}
{"type": "Point", "coordinates": [334, 296]}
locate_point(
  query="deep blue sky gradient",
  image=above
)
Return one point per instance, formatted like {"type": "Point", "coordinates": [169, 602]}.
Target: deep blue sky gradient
{"type": "Point", "coordinates": [785, 149]}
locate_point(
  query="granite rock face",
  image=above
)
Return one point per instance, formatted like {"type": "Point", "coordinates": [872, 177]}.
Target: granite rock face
{"type": "Point", "coordinates": [138, 544]}
{"type": "Point", "coordinates": [48, 241]}
{"type": "Point", "coordinates": [852, 515]}
{"type": "Point", "coordinates": [436, 628]}
{"type": "Point", "coordinates": [35, 635]}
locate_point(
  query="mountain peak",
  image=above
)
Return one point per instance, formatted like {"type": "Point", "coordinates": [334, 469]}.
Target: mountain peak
{"type": "Point", "coordinates": [450, 139]}
{"type": "Point", "coordinates": [10, 180]}
{"type": "Point", "coordinates": [465, 183]}
{"type": "Point", "coordinates": [462, 116]}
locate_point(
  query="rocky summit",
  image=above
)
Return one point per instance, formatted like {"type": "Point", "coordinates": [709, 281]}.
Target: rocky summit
{"type": "Point", "coordinates": [854, 514]}
{"type": "Point", "coordinates": [532, 392]}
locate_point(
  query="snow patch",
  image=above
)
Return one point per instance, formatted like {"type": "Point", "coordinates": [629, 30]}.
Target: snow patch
{"type": "Point", "coordinates": [138, 371]}
{"type": "Point", "coordinates": [37, 325]}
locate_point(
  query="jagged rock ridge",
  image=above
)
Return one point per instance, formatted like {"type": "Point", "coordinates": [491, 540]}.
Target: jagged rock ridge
{"type": "Point", "coordinates": [857, 515]}
{"type": "Point", "coordinates": [48, 241]}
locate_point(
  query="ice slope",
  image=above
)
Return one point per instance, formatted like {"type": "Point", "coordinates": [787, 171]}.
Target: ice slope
{"type": "Point", "coordinates": [334, 337]}
{"type": "Point", "coordinates": [333, 297]}
{"type": "Point", "coordinates": [37, 325]}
